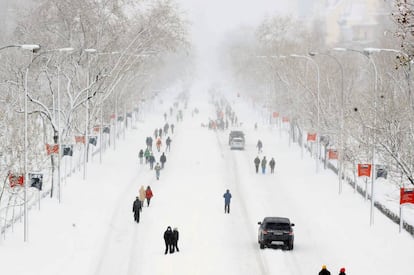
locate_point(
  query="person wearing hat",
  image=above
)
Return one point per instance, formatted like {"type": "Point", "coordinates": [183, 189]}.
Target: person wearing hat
{"type": "Point", "coordinates": [342, 271]}
{"type": "Point", "coordinates": [136, 208]}
{"type": "Point", "coordinates": [324, 271]}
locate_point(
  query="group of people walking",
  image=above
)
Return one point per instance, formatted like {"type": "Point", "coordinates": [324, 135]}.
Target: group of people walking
{"type": "Point", "coordinates": [144, 194]}
{"type": "Point", "coordinates": [263, 162]}
{"type": "Point", "coordinates": [171, 240]}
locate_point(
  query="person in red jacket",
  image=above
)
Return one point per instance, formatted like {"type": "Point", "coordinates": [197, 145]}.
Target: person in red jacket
{"type": "Point", "coordinates": [148, 195]}
{"type": "Point", "coordinates": [342, 271]}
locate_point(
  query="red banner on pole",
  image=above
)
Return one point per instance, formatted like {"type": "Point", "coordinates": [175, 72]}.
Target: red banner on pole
{"type": "Point", "coordinates": [52, 149]}
{"type": "Point", "coordinates": [332, 154]}
{"type": "Point", "coordinates": [311, 137]}
{"type": "Point", "coordinates": [364, 170]}
{"type": "Point", "coordinates": [96, 129]}
{"type": "Point", "coordinates": [80, 139]}
{"type": "Point", "coordinates": [285, 119]}
{"type": "Point", "coordinates": [112, 116]}
{"type": "Point", "coordinates": [275, 114]}
{"type": "Point", "coordinates": [407, 195]}
{"type": "Point", "coordinates": [16, 180]}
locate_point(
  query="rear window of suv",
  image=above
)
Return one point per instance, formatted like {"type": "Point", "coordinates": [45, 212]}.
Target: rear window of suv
{"type": "Point", "coordinates": [277, 226]}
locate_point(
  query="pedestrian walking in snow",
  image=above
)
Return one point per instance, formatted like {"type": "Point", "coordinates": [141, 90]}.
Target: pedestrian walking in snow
{"type": "Point", "coordinates": [324, 271]}
{"type": "Point", "coordinates": [163, 160]}
{"type": "Point", "coordinates": [172, 128]}
{"type": "Point", "coordinates": [165, 116]}
{"type": "Point", "coordinates": [151, 160]}
{"type": "Point", "coordinates": [175, 236]}
{"type": "Point", "coordinates": [272, 164]}
{"type": "Point", "coordinates": [168, 144]}
{"type": "Point", "coordinates": [157, 169]}
{"type": "Point", "coordinates": [136, 208]}
{"type": "Point", "coordinates": [158, 144]}
{"type": "Point", "coordinates": [142, 195]}
{"type": "Point", "coordinates": [257, 163]}
{"type": "Point", "coordinates": [148, 195]}
{"type": "Point", "coordinates": [264, 162]}
{"type": "Point", "coordinates": [141, 156]}
{"type": "Point", "coordinates": [156, 133]}
{"type": "Point", "coordinates": [227, 198]}
{"type": "Point", "coordinates": [160, 132]}
{"type": "Point", "coordinates": [166, 127]}
{"type": "Point", "coordinates": [342, 271]}
{"type": "Point", "coordinates": [147, 155]}
{"type": "Point", "coordinates": [168, 235]}
{"type": "Point", "coordinates": [259, 146]}
{"type": "Point", "coordinates": [149, 143]}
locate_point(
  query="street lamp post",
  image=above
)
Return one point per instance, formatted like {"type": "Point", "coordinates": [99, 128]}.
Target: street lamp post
{"type": "Point", "coordinates": [31, 48]}
{"type": "Point", "coordinates": [318, 106]}
{"type": "Point", "coordinates": [367, 52]}
{"type": "Point", "coordinates": [341, 153]}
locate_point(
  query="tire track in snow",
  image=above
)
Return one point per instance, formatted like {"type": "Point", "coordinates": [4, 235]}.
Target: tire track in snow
{"type": "Point", "coordinates": [263, 269]}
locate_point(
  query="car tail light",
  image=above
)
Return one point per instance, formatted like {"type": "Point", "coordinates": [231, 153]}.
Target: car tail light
{"type": "Point", "coordinates": [291, 232]}
{"type": "Point", "coordinates": [264, 232]}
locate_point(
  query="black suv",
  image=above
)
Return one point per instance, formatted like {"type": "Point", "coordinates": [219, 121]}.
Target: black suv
{"type": "Point", "coordinates": [276, 230]}
{"type": "Point", "coordinates": [234, 134]}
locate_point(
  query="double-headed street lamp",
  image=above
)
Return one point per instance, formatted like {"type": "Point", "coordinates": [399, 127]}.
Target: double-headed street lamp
{"type": "Point", "coordinates": [367, 52]}
{"type": "Point", "coordinates": [33, 48]}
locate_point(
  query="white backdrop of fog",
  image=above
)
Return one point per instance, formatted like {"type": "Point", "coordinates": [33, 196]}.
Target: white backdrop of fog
{"type": "Point", "coordinates": [212, 20]}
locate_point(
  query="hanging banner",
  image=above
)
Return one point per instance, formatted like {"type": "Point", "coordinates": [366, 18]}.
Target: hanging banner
{"type": "Point", "coordinates": [96, 129]}
{"type": "Point", "coordinates": [67, 150]}
{"type": "Point", "coordinates": [324, 139]}
{"type": "Point", "coordinates": [285, 119]}
{"type": "Point", "coordinates": [311, 137]}
{"type": "Point", "coordinates": [112, 116]}
{"type": "Point", "coordinates": [80, 139]}
{"type": "Point", "coordinates": [129, 114]}
{"type": "Point", "coordinates": [120, 118]}
{"type": "Point", "coordinates": [15, 180]}
{"type": "Point", "coordinates": [36, 180]}
{"type": "Point", "coordinates": [332, 154]}
{"type": "Point", "coordinates": [106, 129]}
{"type": "Point", "coordinates": [275, 114]}
{"type": "Point", "coordinates": [381, 171]}
{"type": "Point", "coordinates": [52, 149]}
{"type": "Point", "coordinates": [93, 140]}
{"type": "Point", "coordinates": [364, 170]}
{"type": "Point", "coordinates": [406, 195]}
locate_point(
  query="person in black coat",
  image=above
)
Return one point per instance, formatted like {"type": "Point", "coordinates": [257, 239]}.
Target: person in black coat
{"type": "Point", "coordinates": [256, 164]}
{"type": "Point", "coordinates": [272, 164]}
{"type": "Point", "coordinates": [163, 159]}
{"type": "Point", "coordinates": [324, 271]}
{"type": "Point", "coordinates": [168, 236]}
{"type": "Point", "coordinates": [141, 156]}
{"type": "Point", "coordinates": [136, 208]}
{"type": "Point", "coordinates": [175, 236]}
{"type": "Point", "coordinates": [151, 160]}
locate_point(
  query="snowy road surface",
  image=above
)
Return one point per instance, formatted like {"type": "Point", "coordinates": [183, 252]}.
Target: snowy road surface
{"type": "Point", "coordinates": [92, 231]}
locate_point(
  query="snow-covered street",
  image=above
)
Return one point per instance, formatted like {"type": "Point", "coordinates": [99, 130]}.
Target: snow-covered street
{"type": "Point", "coordinates": [93, 232]}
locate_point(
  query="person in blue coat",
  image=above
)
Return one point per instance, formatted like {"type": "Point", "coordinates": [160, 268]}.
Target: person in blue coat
{"type": "Point", "coordinates": [227, 198]}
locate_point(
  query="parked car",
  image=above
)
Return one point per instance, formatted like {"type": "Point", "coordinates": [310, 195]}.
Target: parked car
{"type": "Point", "coordinates": [276, 230]}
{"type": "Point", "coordinates": [237, 143]}
{"type": "Point", "coordinates": [234, 134]}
